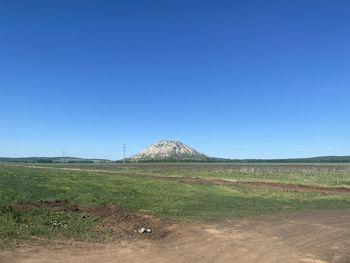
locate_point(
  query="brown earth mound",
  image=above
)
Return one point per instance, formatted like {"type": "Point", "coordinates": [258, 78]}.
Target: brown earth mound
{"type": "Point", "coordinates": [55, 205]}
{"type": "Point", "coordinates": [125, 223]}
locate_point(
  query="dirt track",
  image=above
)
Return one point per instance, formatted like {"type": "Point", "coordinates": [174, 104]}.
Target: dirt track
{"type": "Point", "coordinates": [218, 181]}
{"type": "Point", "coordinates": [256, 184]}
{"type": "Point", "coordinates": [310, 238]}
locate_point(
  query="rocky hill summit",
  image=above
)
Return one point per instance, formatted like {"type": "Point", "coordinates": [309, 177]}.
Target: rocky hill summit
{"type": "Point", "coordinates": [168, 150]}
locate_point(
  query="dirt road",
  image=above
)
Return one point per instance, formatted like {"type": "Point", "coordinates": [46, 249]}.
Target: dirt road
{"type": "Point", "coordinates": [316, 237]}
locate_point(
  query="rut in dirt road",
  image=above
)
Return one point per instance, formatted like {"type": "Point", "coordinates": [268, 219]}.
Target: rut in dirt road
{"type": "Point", "coordinates": [316, 237]}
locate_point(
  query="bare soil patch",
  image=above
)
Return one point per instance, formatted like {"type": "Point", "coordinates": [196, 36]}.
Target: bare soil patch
{"type": "Point", "coordinates": [317, 237]}
{"type": "Point", "coordinates": [297, 187]}
{"type": "Point", "coordinates": [125, 223]}
{"type": "Point", "coordinates": [253, 184]}
{"type": "Point", "coordinates": [56, 205]}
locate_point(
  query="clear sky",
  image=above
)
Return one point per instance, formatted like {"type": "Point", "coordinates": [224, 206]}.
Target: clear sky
{"type": "Point", "coordinates": [236, 79]}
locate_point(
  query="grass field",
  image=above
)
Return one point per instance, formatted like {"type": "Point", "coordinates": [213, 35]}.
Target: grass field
{"type": "Point", "coordinates": [94, 185]}
{"type": "Point", "coordinates": [313, 174]}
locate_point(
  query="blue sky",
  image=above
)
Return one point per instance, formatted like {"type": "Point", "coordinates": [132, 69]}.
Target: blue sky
{"type": "Point", "coordinates": [236, 79]}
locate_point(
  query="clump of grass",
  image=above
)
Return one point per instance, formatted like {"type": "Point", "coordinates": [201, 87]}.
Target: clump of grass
{"type": "Point", "coordinates": [39, 225]}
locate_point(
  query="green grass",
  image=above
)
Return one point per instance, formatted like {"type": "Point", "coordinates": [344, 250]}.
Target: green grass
{"type": "Point", "coordinates": [310, 174]}
{"type": "Point", "coordinates": [184, 201]}
{"type": "Point", "coordinates": [41, 225]}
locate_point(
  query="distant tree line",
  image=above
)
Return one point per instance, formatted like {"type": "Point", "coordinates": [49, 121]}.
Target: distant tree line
{"type": "Point", "coordinates": [325, 159]}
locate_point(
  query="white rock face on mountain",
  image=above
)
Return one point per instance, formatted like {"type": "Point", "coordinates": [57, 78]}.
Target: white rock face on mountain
{"type": "Point", "coordinates": [167, 150]}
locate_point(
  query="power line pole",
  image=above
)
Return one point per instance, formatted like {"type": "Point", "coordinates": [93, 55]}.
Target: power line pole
{"type": "Point", "coordinates": [124, 150]}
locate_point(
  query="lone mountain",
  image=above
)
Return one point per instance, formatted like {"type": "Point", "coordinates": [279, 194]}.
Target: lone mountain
{"type": "Point", "coordinates": [168, 151]}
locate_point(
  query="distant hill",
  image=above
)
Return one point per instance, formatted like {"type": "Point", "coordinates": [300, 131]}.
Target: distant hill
{"type": "Point", "coordinates": [168, 151]}
{"type": "Point", "coordinates": [321, 159]}
{"type": "Point", "coordinates": [175, 151]}
{"type": "Point", "coordinates": [197, 157]}
{"type": "Point", "coordinates": [51, 160]}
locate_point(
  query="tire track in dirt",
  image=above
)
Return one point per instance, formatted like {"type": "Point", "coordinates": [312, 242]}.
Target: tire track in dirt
{"type": "Point", "coordinates": [317, 237]}
{"type": "Point", "coordinates": [216, 181]}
